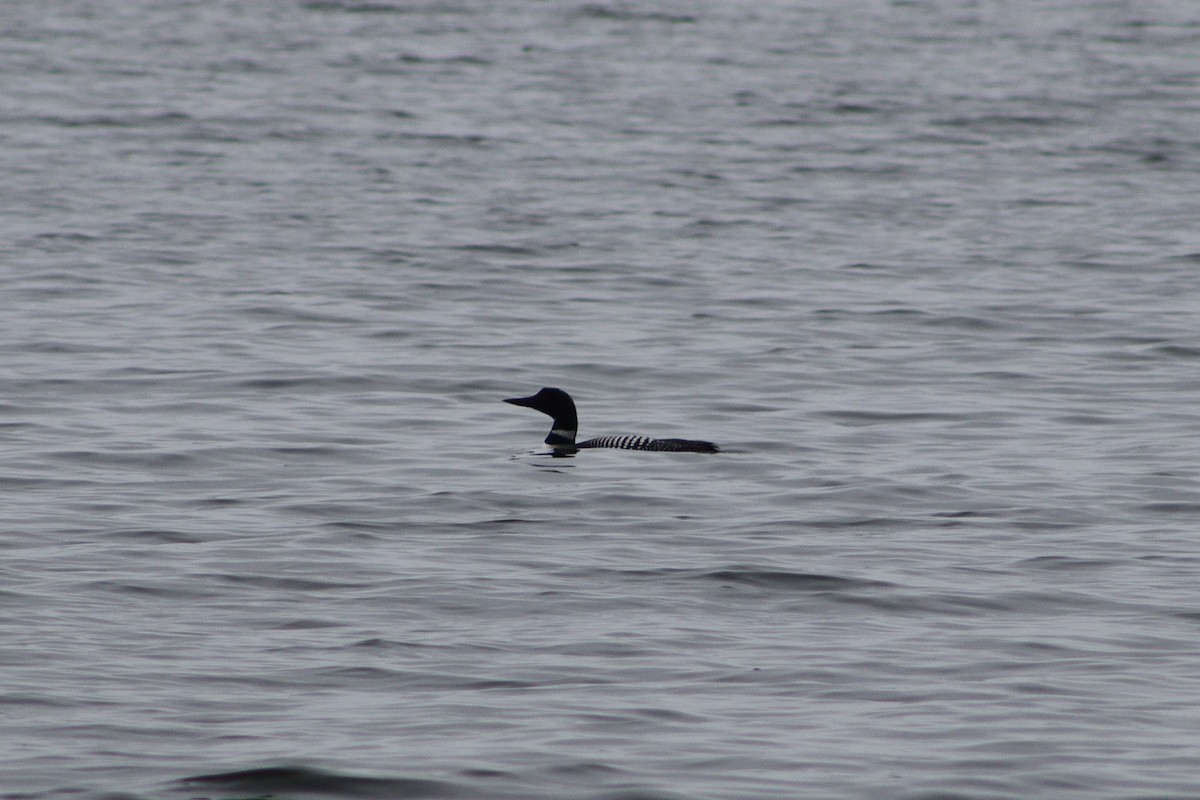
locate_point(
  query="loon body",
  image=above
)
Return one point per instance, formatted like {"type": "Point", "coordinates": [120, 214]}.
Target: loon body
{"type": "Point", "coordinates": [559, 405]}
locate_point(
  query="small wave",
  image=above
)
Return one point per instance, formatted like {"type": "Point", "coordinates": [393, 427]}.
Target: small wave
{"type": "Point", "coordinates": [355, 8]}
{"type": "Point", "coordinates": [963, 322]}
{"type": "Point", "coordinates": [1172, 507]}
{"type": "Point", "coordinates": [1065, 563]}
{"type": "Point", "coordinates": [882, 417]}
{"type": "Point", "coordinates": [283, 780]}
{"type": "Point", "coordinates": [422, 680]}
{"type": "Point", "coordinates": [468, 140]}
{"type": "Point", "coordinates": [276, 583]}
{"type": "Point", "coordinates": [157, 536]}
{"type": "Point", "coordinates": [584, 769]}
{"type": "Point", "coordinates": [149, 589]}
{"type": "Point", "coordinates": [413, 58]}
{"type": "Point", "coordinates": [603, 11]}
{"type": "Point", "coordinates": [146, 459]}
{"type": "Point", "coordinates": [1177, 351]}
{"type": "Point", "coordinates": [132, 120]}
{"type": "Point", "coordinates": [999, 122]}
{"type": "Point", "coordinates": [845, 523]}
{"type": "Point", "coordinates": [497, 248]}
{"type": "Point", "coordinates": [1086, 419]}
{"type": "Point", "coordinates": [962, 604]}
{"type": "Point", "coordinates": [775, 579]}
{"type": "Point", "coordinates": [293, 382]}
{"type": "Point", "coordinates": [22, 483]}
{"type": "Point", "coordinates": [789, 581]}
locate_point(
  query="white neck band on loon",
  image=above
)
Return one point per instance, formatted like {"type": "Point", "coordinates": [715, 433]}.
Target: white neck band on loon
{"type": "Point", "coordinates": [561, 436]}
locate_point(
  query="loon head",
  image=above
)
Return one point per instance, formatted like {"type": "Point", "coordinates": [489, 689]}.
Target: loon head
{"type": "Point", "coordinates": [557, 404]}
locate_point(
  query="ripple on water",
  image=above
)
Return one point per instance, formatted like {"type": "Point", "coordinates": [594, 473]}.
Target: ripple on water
{"type": "Point", "coordinates": [287, 780]}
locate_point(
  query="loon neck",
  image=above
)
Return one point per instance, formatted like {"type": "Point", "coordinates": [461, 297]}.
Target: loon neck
{"type": "Point", "coordinates": [561, 437]}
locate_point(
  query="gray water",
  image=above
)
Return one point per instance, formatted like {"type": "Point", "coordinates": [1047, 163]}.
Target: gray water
{"type": "Point", "coordinates": [928, 271]}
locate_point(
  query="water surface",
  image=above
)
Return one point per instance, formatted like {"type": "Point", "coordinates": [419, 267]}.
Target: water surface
{"type": "Point", "coordinates": [928, 273]}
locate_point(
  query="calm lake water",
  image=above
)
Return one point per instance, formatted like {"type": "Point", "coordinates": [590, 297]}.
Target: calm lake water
{"type": "Point", "coordinates": [928, 271]}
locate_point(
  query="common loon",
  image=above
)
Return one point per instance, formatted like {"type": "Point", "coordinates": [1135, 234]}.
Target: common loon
{"type": "Point", "coordinates": [558, 404]}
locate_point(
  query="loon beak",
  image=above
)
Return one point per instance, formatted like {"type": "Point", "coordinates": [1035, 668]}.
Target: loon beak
{"type": "Point", "coordinates": [528, 402]}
